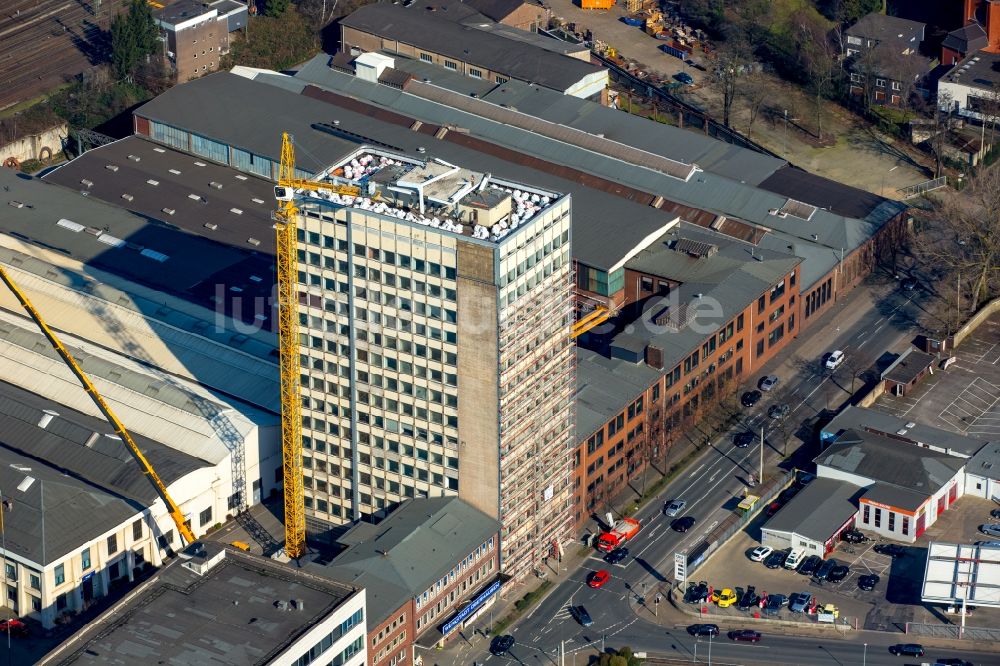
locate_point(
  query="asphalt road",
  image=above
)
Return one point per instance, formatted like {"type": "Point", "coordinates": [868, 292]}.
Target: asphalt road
{"type": "Point", "coordinates": [714, 479]}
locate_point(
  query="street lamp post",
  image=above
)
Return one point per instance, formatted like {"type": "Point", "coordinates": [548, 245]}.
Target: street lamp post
{"type": "Point", "coordinates": [882, 191]}
{"type": "Point", "coordinates": [864, 657]}
{"type": "Point", "coordinates": [710, 634]}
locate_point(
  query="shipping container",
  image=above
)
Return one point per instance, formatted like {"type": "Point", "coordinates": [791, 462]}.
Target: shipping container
{"type": "Point", "coordinates": [597, 4]}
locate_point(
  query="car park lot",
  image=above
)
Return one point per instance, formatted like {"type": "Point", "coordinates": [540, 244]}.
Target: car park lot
{"type": "Point", "coordinates": [893, 602]}
{"type": "Point", "coordinates": [965, 398]}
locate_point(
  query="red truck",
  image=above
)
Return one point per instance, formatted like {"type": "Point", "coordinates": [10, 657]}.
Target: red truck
{"type": "Point", "coordinates": [623, 530]}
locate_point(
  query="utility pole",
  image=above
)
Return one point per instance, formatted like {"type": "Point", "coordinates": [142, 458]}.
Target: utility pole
{"type": "Point", "coordinates": [785, 150]}
{"type": "Point", "coordinates": [761, 480]}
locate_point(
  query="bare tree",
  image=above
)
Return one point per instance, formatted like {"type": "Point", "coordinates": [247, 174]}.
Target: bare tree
{"type": "Point", "coordinates": [730, 65]}
{"type": "Point", "coordinates": [941, 137]}
{"type": "Point", "coordinates": [818, 60]}
{"type": "Point", "coordinates": [756, 90]}
{"type": "Point", "coordinates": [964, 238]}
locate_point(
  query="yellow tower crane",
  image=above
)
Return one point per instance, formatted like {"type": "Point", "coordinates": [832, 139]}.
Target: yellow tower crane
{"type": "Point", "coordinates": [88, 386]}
{"type": "Point", "coordinates": [288, 339]}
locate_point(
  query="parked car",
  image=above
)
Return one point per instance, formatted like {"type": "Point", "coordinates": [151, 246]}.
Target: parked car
{"type": "Point", "coordinates": [853, 536]}
{"type": "Point", "coordinates": [768, 383]}
{"type": "Point", "coordinates": [995, 513]}
{"type": "Point", "coordinates": [868, 583]}
{"type": "Point", "coordinates": [893, 550]}
{"type": "Point", "coordinates": [501, 644]}
{"type": "Point", "coordinates": [990, 530]}
{"type": "Point", "coordinates": [749, 599]}
{"type": "Point", "coordinates": [991, 544]}
{"type": "Point", "coordinates": [683, 524]}
{"type": "Point", "coordinates": [743, 439]}
{"type": "Point", "coordinates": [824, 570]}
{"type": "Point", "coordinates": [773, 508]}
{"type": "Point", "coordinates": [907, 649]}
{"type": "Point", "coordinates": [684, 78]}
{"type": "Point", "coordinates": [673, 507]}
{"type": "Point", "coordinates": [745, 635]}
{"type": "Point", "coordinates": [776, 560]}
{"type": "Point", "coordinates": [750, 398]}
{"type": "Point", "coordinates": [616, 556]}
{"type": "Point", "coordinates": [696, 593]}
{"type": "Point", "coordinates": [597, 579]}
{"type": "Point", "coordinates": [952, 661]}
{"type": "Point", "coordinates": [774, 603]}
{"type": "Point", "coordinates": [760, 553]}
{"type": "Point", "coordinates": [704, 630]}
{"type": "Point", "coordinates": [799, 601]}
{"type": "Point", "coordinates": [724, 598]}
{"type": "Point", "coordinates": [779, 411]}
{"type": "Point", "coordinates": [14, 627]}
{"type": "Point", "coordinates": [909, 284]}
{"type": "Point", "coordinates": [810, 565]}
{"type": "Point", "coordinates": [838, 573]}
{"type": "Point", "coordinates": [582, 616]}
{"type": "Point", "coordinates": [834, 359]}
{"type": "Point", "coordinates": [830, 609]}
{"type": "Point", "coordinates": [805, 478]}
{"type": "Point", "coordinates": [788, 493]}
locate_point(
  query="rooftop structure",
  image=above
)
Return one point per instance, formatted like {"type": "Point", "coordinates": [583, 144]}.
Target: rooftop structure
{"type": "Point", "coordinates": [214, 605]}
{"type": "Point", "coordinates": [979, 70]}
{"type": "Point", "coordinates": [399, 558]}
{"type": "Point", "coordinates": [910, 365]}
{"type": "Point", "coordinates": [902, 430]}
{"type": "Point", "coordinates": [962, 572]}
{"type": "Point", "coordinates": [884, 28]}
{"type": "Point", "coordinates": [819, 510]}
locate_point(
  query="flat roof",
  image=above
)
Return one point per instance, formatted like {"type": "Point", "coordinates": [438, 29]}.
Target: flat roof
{"type": "Point", "coordinates": [889, 461]}
{"type": "Point", "coordinates": [89, 479]}
{"type": "Point", "coordinates": [886, 28]}
{"type": "Point", "coordinates": [903, 429]}
{"type": "Point", "coordinates": [421, 28]}
{"type": "Point", "coordinates": [979, 69]}
{"type": "Point", "coordinates": [956, 571]}
{"type": "Point", "coordinates": [228, 615]}
{"type": "Point", "coordinates": [403, 555]}
{"type": "Point", "coordinates": [818, 510]}
{"type": "Point", "coordinates": [986, 462]}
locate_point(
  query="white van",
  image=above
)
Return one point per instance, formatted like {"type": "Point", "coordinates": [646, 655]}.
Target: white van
{"type": "Point", "coordinates": [795, 558]}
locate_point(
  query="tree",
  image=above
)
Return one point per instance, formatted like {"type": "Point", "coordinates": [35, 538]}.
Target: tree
{"type": "Point", "coordinates": [756, 89]}
{"type": "Point", "coordinates": [847, 12]}
{"type": "Point", "coordinates": [731, 64]}
{"type": "Point", "coordinates": [275, 8]}
{"type": "Point", "coordinates": [273, 43]}
{"type": "Point", "coordinates": [964, 239]}
{"type": "Point", "coordinates": [817, 60]}
{"type": "Point", "coordinates": [941, 131]}
{"type": "Point", "coordinates": [133, 38]}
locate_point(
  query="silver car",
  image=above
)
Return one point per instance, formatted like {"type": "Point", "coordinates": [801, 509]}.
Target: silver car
{"type": "Point", "coordinates": [768, 383]}
{"type": "Point", "coordinates": [990, 530]}
{"type": "Point", "coordinates": [673, 507]}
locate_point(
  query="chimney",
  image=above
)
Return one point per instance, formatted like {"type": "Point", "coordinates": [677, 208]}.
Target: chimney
{"type": "Point", "coordinates": [992, 26]}
{"type": "Point", "coordinates": [654, 357]}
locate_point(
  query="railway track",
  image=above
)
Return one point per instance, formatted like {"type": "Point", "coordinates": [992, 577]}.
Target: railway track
{"type": "Point", "coordinates": [45, 43]}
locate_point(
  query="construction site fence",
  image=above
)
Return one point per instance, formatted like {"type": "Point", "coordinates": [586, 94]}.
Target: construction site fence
{"type": "Point", "coordinates": [954, 631]}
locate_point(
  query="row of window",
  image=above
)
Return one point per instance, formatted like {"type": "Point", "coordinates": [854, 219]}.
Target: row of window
{"type": "Point", "coordinates": [446, 601]}
{"type": "Point", "coordinates": [818, 297]}
{"type": "Point", "coordinates": [879, 83]}
{"type": "Point", "coordinates": [448, 578]}
{"type": "Point", "coordinates": [866, 519]}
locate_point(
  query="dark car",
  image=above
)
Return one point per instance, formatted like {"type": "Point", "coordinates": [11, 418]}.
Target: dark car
{"type": "Point", "coordinates": [909, 284]}
{"type": "Point", "coordinates": [743, 439]}
{"type": "Point", "coordinates": [893, 550]}
{"type": "Point", "coordinates": [788, 493]}
{"type": "Point", "coordinates": [683, 524]}
{"type": "Point", "coordinates": [750, 398]}
{"type": "Point", "coordinates": [744, 635]}
{"type": "Point", "coordinates": [704, 630]}
{"type": "Point", "coordinates": [501, 644]}
{"type": "Point", "coordinates": [779, 411]}
{"type": "Point", "coordinates": [684, 78]}
{"type": "Point", "coordinates": [995, 513]}
{"type": "Point", "coordinates": [824, 570]}
{"type": "Point", "coordinates": [774, 603]}
{"type": "Point", "coordinates": [952, 661]}
{"type": "Point", "coordinates": [907, 649]}
{"type": "Point", "coordinates": [853, 536]}
{"type": "Point", "coordinates": [582, 616]}
{"type": "Point", "coordinates": [776, 560]}
{"type": "Point", "coordinates": [773, 508]}
{"type": "Point", "coordinates": [749, 599]}
{"type": "Point", "coordinates": [696, 594]}
{"type": "Point", "coordinates": [616, 556]}
{"type": "Point", "coordinates": [838, 573]}
{"type": "Point", "coordinates": [810, 565]}
{"type": "Point", "coordinates": [868, 583]}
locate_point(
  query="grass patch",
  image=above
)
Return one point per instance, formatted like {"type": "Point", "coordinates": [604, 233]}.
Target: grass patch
{"type": "Point", "coordinates": [521, 605]}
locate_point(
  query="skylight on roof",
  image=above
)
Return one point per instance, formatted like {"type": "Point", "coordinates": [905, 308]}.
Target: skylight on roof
{"type": "Point", "coordinates": [70, 224]}
{"type": "Point", "coordinates": [154, 255]}
{"type": "Point", "coordinates": [113, 241]}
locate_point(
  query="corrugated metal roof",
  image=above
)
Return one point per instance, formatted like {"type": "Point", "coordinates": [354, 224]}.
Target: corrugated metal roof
{"type": "Point", "coordinates": [818, 510]}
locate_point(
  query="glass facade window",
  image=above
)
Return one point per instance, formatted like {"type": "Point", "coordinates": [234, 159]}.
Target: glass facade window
{"type": "Point", "coordinates": [171, 136]}
{"type": "Point", "coordinates": [213, 150]}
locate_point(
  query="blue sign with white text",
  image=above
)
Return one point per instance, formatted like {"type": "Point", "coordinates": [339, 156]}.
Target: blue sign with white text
{"type": "Point", "coordinates": [471, 607]}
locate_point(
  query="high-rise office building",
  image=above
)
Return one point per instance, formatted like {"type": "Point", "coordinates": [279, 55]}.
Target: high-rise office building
{"type": "Point", "coordinates": [435, 347]}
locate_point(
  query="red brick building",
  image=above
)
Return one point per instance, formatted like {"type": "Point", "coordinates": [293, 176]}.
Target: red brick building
{"type": "Point", "coordinates": [428, 569]}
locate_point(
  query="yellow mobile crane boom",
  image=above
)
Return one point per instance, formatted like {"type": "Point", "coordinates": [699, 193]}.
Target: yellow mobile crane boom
{"type": "Point", "coordinates": [88, 386]}
{"type": "Point", "coordinates": [288, 340]}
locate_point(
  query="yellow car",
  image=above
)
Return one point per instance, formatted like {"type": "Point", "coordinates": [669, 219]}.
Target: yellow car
{"type": "Point", "coordinates": [830, 609]}
{"type": "Point", "coordinates": [724, 598]}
